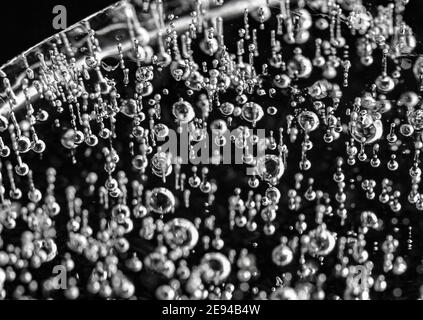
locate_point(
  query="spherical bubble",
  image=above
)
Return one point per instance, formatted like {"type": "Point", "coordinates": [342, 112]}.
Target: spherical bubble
{"type": "Point", "coordinates": [252, 112]}
{"type": "Point", "coordinates": [322, 24]}
{"type": "Point", "coordinates": [180, 233]}
{"type": "Point", "coordinates": [223, 82]}
{"type": "Point", "coordinates": [91, 62]}
{"type": "Point", "coordinates": [39, 146]}
{"type": "Point", "coordinates": [5, 152]}
{"type": "Point", "coordinates": [322, 242]}
{"type": "Point", "coordinates": [385, 83]}
{"type": "Point", "coordinates": [91, 140]}
{"type": "Point", "coordinates": [183, 111]}
{"type": "Point", "coordinates": [369, 219]}
{"type": "Point", "coordinates": [408, 99]}
{"type": "Point", "coordinates": [271, 110]}
{"type": "Point", "coordinates": [284, 293]}
{"type": "Point", "coordinates": [302, 36]}
{"type": "Point", "coordinates": [270, 167]}
{"type": "Point", "coordinates": [144, 88]}
{"type": "Point", "coordinates": [329, 71]}
{"type": "Point", "coordinates": [366, 130]}
{"type": "Point", "coordinates": [406, 130]}
{"type": "Point", "coordinates": [144, 74]}
{"type": "Point", "coordinates": [161, 164]}
{"type": "Point", "coordinates": [138, 131]}
{"type": "Point", "coordinates": [332, 121]}
{"type": "Point", "coordinates": [180, 70]}
{"type": "Point", "coordinates": [157, 262]}
{"type": "Point", "coordinates": [282, 81]}
{"type": "Point", "coordinates": [209, 46]}
{"type": "Point", "coordinates": [268, 214]}
{"type": "Point", "coordinates": [400, 266]}
{"type": "Point", "coordinates": [418, 66]}
{"type": "Point", "coordinates": [261, 14]}
{"type": "Point", "coordinates": [219, 126]}
{"type": "Point", "coordinates": [67, 139]}
{"type": "Point", "coordinates": [364, 47]}
{"type": "Point", "coordinates": [273, 194]}
{"type": "Point", "coordinates": [383, 105]}
{"type": "Point", "coordinates": [282, 255]}
{"type": "Point", "coordinates": [139, 211]}
{"type": "Point", "coordinates": [220, 141]}
{"type": "Point", "coordinates": [305, 21]}
{"type": "Point", "coordinates": [309, 268]}
{"type": "Point", "coordinates": [367, 60]}
{"type": "Point", "coordinates": [23, 144]}
{"type": "Point", "coordinates": [51, 248]}
{"type": "Point", "coordinates": [195, 81]}
{"type": "Point", "coordinates": [216, 267]}
{"type": "Point", "coordinates": [319, 89]}
{"type": "Point", "coordinates": [300, 66]}
{"type": "Point", "coordinates": [78, 137]}
{"type": "Point", "coordinates": [120, 212]}
{"type": "Point", "coordinates": [139, 162]}
{"type": "Point", "coordinates": [161, 201]}
{"type": "Point", "coordinates": [368, 101]}
{"type": "Point", "coordinates": [35, 195]}
{"type": "Point", "coordinates": [165, 292]}
{"type": "Point", "coordinates": [308, 120]}
{"type": "Point", "coordinates": [161, 130]}
{"type": "Point", "coordinates": [163, 59]}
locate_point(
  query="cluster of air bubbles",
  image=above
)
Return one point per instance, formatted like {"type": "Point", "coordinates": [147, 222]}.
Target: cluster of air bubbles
{"type": "Point", "coordinates": [244, 150]}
